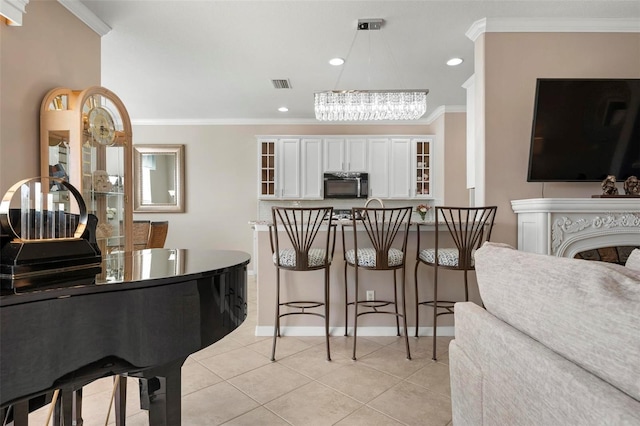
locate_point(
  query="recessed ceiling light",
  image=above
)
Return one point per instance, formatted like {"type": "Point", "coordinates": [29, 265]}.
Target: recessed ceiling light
{"type": "Point", "coordinates": [336, 61]}
{"type": "Point", "coordinates": [454, 61]}
{"type": "Point", "coordinates": [283, 109]}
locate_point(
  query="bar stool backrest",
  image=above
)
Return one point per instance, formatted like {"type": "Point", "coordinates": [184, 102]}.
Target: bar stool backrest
{"type": "Point", "coordinates": [382, 226]}
{"type": "Point", "coordinates": [301, 226]}
{"type": "Point", "coordinates": [469, 227]}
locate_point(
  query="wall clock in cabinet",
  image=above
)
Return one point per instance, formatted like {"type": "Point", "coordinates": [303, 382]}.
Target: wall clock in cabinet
{"type": "Point", "coordinates": [85, 137]}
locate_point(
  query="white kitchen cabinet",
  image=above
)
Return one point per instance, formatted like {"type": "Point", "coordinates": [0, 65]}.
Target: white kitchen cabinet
{"type": "Point", "coordinates": [288, 172]}
{"type": "Point", "coordinates": [345, 154]}
{"type": "Point", "coordinates": [378, 167]}
{"type": "Point", "coordinates": [390, 168]}
{"type": "Point", "coordinates": [290, 168]}
{"type": "Point", "coordinates": [311, 168]}
{"type": "Point", "coordinates": [400, 168]}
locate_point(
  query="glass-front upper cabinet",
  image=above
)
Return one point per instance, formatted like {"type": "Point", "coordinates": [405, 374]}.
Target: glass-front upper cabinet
{"type": "Point", "coordinates": [422, 166]}
{"type": "Point", "coordinates": [267, 168]}
{"type": "Point", "coordinates": [86, 139]}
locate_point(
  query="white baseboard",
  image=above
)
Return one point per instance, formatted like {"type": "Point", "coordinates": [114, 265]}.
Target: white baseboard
{"type": "Point", "coordinates": [267, 330]}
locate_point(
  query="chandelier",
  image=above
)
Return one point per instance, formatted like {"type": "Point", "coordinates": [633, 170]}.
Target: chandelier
{"type": "Point", "coordinates": [365, 105]}
{"type": "Point", "coordinates": [362, 105]}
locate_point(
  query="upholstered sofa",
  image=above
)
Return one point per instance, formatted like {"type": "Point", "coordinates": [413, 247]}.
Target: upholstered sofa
{"type": "Point", "coordinates": [558, 342]}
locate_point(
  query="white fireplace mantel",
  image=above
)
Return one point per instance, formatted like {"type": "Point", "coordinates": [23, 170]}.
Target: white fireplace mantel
{"type": "Point", "coordinates": [566, 226]}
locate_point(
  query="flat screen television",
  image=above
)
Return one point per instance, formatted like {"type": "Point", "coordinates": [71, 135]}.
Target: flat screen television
{"type": "Point", "coordinates": [584, 130]}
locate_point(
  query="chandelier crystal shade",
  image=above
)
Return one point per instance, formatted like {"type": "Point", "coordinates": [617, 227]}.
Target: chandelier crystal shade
{"type": "Point", "coordinates": [366, 105]}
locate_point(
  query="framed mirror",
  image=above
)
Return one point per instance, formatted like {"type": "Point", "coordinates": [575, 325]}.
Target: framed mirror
{"type": "Point", "coordinates": [159, 178]}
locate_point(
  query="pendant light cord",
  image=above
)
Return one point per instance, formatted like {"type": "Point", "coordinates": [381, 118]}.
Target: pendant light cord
{"type": "Point", "coordinates": [353, 41]}
{"type": "Point", "coordinates": [395, 64]}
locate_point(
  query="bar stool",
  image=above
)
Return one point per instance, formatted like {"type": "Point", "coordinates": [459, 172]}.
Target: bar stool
{"type": "Point", "coordinates": [469, 228]}
{"type": "Point", "coordinates": [382, 226]}
{"type": "Point", "coordinates": [302, 226]}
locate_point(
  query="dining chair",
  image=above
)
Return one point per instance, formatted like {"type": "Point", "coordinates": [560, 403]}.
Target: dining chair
{"type": "Point", "coordinates": [140, 232]}
{"type": "Point", "coordinates": [158, 234]}
{"type": "Point", "coordinates": [303, 252]}
{"type": "Point", "coordinates": [383, 249]}
{"type": "Point", "coordinates": [469, 228]}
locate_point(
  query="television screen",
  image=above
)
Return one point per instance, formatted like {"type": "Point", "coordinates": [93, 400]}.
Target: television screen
{"type": "Point", "coordinates": [585, 129]}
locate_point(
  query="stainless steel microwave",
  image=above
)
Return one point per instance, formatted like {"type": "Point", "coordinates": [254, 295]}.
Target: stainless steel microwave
{"type": "Point", "coordinates": [346, 185]}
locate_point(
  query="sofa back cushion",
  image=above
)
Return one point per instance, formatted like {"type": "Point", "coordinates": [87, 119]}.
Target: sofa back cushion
{"type": "Point", "coordinates": [586, 311]}
{"type": "Point", "coordinates": [633, 261]}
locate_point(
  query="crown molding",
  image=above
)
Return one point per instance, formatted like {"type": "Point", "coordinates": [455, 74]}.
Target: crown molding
{"type": "Point", "coordinates": [552, 25]}
{"type": "Point", "coordinates": [294, 121]}
{"type": "Point", "coordinates": [13, 10]}
{"type": "Point", "coordinates": [85, 14]}
{"type": "Point", "coordinates": [445, 109]}
{"type": "Point", "coordinates": [469, 83]}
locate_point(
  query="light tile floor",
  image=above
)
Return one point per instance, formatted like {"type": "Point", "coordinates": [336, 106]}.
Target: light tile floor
{"type": "Point", "coordinates": [233, 382]}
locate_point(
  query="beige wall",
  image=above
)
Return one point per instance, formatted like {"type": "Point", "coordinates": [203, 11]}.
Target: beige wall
{"type": "Point", "coordinates": [512, 62]}
{"type": "Point", "coordinates": [52, 48]}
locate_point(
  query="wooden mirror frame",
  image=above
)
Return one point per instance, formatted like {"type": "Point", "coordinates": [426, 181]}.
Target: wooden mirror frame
{"type": "Point", "coordinates": [139, 206]}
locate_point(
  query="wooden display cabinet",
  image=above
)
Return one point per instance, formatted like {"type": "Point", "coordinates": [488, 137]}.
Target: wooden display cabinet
{"type": "Point", "coordinates": [85, 137]}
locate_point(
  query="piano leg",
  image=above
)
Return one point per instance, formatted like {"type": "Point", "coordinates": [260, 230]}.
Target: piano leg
{"type": "Point", "coordinates": [77, 408]}
{"type": "Point", "coordinates": [121, 399]}
{"type": "Point", "coordinates": [160, 393]}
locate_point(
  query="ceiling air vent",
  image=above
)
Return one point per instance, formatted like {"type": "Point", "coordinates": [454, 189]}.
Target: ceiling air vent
{"type": "Point", "coordinates": [281, 84]}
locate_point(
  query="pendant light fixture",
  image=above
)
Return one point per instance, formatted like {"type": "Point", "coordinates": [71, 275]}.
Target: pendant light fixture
{"type": "Point", "coordinates": [365, 105]}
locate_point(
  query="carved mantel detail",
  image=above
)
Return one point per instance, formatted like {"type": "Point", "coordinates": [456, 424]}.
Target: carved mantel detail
{"type": "Point", "coordinates": [566, 225]}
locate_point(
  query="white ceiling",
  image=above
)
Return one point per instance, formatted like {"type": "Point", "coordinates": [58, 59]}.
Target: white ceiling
{"type": "Point", "coordinates": [213, 60]}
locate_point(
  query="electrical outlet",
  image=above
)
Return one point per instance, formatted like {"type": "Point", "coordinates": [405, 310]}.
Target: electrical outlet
{"type": "Point", "coordinates": [371, 295]}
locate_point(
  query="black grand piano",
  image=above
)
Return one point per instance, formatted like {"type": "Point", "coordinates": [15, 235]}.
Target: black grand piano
{"type": "Point", "coordinates": [142, 316]}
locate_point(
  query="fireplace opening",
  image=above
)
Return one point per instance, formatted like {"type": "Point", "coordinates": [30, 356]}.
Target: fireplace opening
{"type": "Point", "coordinates": [616, 254]}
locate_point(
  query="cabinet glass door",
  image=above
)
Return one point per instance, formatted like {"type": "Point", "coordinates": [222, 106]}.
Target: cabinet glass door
{"type": "Point", "coordinates": [268, 168]}
{"type": "Point", "coordinates": [423, 158]}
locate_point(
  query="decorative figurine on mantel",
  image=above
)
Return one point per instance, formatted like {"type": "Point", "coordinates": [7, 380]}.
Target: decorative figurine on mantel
{"type": "Point", "coordinates": [632, 186]}
{"type": "Point", "coordinates": [609, 186]}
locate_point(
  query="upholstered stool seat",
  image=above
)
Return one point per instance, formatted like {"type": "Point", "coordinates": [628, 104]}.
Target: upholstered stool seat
{"type": "Point", "coordinates": [446, 256]}
{"type": "Point", "coordinates": [288, 257]}
{"type": "Point", "coordinates": [367, 257]}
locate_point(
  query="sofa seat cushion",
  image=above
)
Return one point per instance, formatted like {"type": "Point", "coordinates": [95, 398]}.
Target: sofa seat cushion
{"type": "Point", "coordinates": [367, 257]}
{"type": "Point", "coordinates": [586, 311]}
{"type": "Point", "coordinates": [288, 257]}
